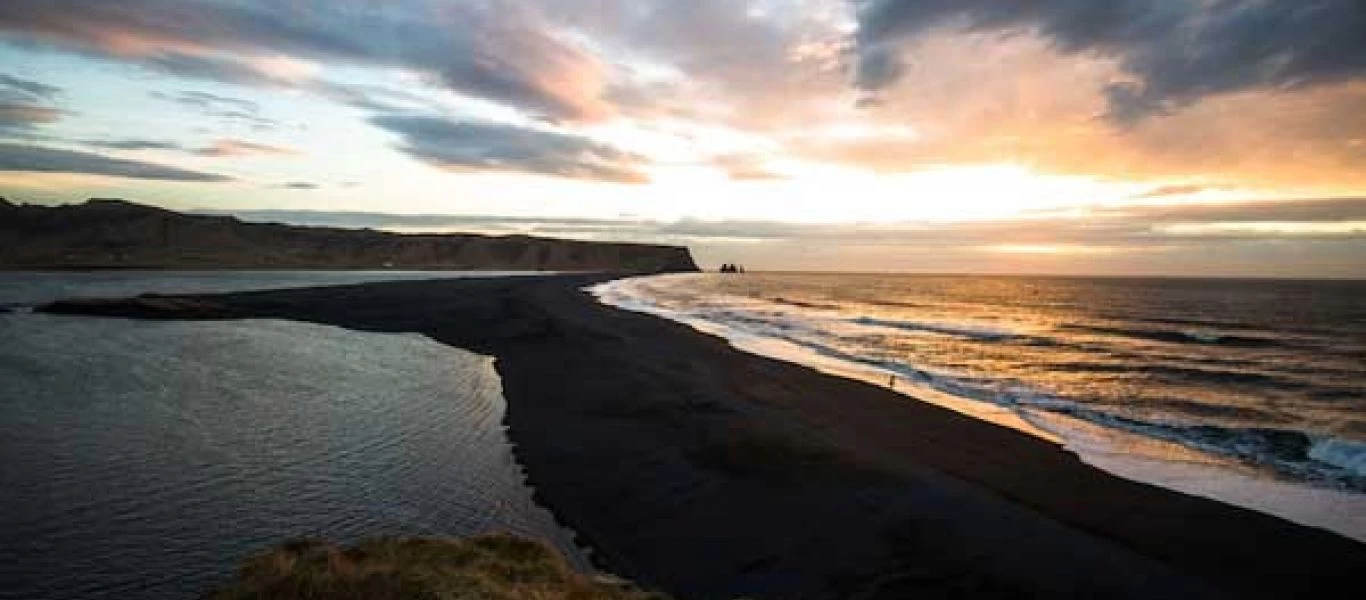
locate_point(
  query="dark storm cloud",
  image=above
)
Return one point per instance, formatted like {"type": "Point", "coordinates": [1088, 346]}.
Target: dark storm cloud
{"type": "Point", "coordinates": [476, 145]}
{"type": "Point", "coordinates": [1177, 51]}
{"type": "Point", "coordinates": [488, 50]}
{"type": "Point", "coordinates": [36, 159]}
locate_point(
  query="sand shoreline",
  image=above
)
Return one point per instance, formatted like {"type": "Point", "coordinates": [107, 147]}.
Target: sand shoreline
{"type": "Point", "coordinates": [710, 473]}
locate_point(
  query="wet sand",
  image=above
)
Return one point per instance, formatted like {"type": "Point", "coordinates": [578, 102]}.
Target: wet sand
{"type": "Point", "coordinates": [710, 473]}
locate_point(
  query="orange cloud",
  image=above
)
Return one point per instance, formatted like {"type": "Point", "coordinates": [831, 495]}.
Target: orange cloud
{"type": "Point", "coordinates": [27, 114]}
{"type": "Point", "coordinates": [226, 147]}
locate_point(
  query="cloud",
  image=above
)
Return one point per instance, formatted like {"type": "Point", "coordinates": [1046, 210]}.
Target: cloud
{"type": "Point", "coordinates": [37, 159]}
{"type": "Point", "coordinates": [34, 89]}
{"type": "Point", "coordinates": [226, 108]}
{"type": "Point", "coordinates": [481, 145]}
{"type": "Point", "coordinates": [1172, 190]}
{"type": "Point", "coordinates": [498, 51]}
{"type": "Point", "coordinates": [377, 220]}
{"type": "Point", "coordinates": [298, 185]}
{"type": "Point", "coordinates": [20, 107]}
{"type": "Point", "coordinates": [24, 116]}
{"type": "Point", "coordinates": [226, 147]}
{"type": "Point", "coordinates": [980, 98]}
{"type": "Point", "coordinates": [739, 167]}
{"type": "Point", "coordinates": [209, 103]}
{"type": "Point", "coordinates": [983, 81]}
{"type": "Point", "coordinates": [219, 148]}
{"type": "Point", "coordinates": [1312, 210]}
{"type": "Point", "coordinates": [133, 144]}
{"type": "Point", "coordinates": [1136, 241]}
{"type": "Point", "coordinates": [374, 98]}
{"type": "Point", "coordinates": [217, 68]}
{"type": "Point", "coordinates": [1174, 52]}
{"type": "Point", "coordinates": [1122, 227]}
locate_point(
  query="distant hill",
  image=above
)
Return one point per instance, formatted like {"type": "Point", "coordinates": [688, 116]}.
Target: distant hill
{"type": "Point", "coordinates": [117, 234]}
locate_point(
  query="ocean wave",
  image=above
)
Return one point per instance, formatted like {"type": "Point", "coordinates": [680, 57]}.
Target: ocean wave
{"type": "Point", "coordinates": [974, 331]}
{"type": "Point", "coordinates": [1188, 373]}
{"type": "Point", "coordinates": [896, 303]}
{"type": "Point", "coordinates": [854, 342]}
{"type": "Point", "coordinates": [1185, 321]}
{"type": "Point", "coordinates": [1289, 453]}
{"type": "Point", "coordinates": [1345, 454]}
{"type": "Point", "coordinates": [1326, 461]}
{"type": "Point", "coordinates": [805, 304]}
{"type": "Point", "coordinates": [1184, 336]}
{"type": "Point", "coordinates": [1323, 460]}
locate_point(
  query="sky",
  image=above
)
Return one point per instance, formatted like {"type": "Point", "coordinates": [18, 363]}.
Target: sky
{"type": "Point", "coordinates": [1134, 137]}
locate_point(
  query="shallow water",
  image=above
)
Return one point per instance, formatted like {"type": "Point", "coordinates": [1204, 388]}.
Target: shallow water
{"type": "Point", "coordinates": [27, 288]}
{"type": "Point", "coordinates": [1252, 392]}
{"type": "Point", "coordinates": [145, 458]}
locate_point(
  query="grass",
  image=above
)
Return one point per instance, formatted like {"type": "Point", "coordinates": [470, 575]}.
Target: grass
{"type": "Point", "coordinates": [489, 567]}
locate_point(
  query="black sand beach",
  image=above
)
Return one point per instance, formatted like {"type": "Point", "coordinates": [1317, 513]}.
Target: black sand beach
{"type": "Point", "coordinates": [709, 473]}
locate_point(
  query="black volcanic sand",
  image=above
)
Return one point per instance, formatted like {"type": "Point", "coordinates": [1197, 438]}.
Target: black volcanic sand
{"type": "Point", "coordinates": [710, 473]}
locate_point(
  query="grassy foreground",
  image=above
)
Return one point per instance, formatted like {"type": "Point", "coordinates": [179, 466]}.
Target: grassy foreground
{"type": "Point", "coordinates": [489, 567]}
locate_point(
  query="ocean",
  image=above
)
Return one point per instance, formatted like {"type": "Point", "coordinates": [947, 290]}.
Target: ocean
{"type": "Point", "coordinates": [1252, 392]}
{"type": "Point", "coordinates": [144, 459]}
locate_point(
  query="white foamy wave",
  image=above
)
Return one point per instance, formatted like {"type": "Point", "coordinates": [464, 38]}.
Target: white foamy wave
{"type": "Point", "coordinates": [1344, 454]}
{"type": "Point", "coordinates": [828, 338]}
{"type": "Point", "coordinates": [1205, 336]}
{"type": "Point", "coordinates": [970, 330]}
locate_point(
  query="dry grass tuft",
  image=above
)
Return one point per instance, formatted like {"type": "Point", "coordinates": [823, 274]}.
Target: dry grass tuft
{"type": "Point", "coordinates": [490, 567]}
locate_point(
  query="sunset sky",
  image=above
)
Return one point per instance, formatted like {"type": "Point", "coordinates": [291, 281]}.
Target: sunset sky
{"type": "Point", "coordinates": [1179, 137]}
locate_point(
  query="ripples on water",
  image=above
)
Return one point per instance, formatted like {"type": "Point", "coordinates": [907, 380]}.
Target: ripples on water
{"type": "Point", "coordinates": [143, 459]}
{"type": "Point", "coordinates": [1267, 378]}
{"type": "Point", "coordinates": [26, 288]}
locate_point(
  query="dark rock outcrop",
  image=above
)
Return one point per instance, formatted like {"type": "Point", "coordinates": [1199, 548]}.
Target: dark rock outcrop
{"type": "Point", "coordinates": [117, 234]}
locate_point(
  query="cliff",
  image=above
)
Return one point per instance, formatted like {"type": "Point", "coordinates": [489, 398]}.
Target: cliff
{"type": "Point", "coordinates": [118, 234]}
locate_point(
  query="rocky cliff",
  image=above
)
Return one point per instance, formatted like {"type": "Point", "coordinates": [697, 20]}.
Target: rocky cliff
{"type": "Point", "coordinates": [118, 234]}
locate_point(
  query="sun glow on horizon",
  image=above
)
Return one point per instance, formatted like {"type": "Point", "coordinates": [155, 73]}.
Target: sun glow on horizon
{"type": "Point", "coordinates": [807, 192]}
{"type": "Point", "coordinates": [1051, 249]}
{"type": "Point", "coordinates": [932, 147]}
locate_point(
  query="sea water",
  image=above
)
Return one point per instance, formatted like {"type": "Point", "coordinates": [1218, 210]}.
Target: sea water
{"type": "Point", "coordinates": [1251, 392]}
